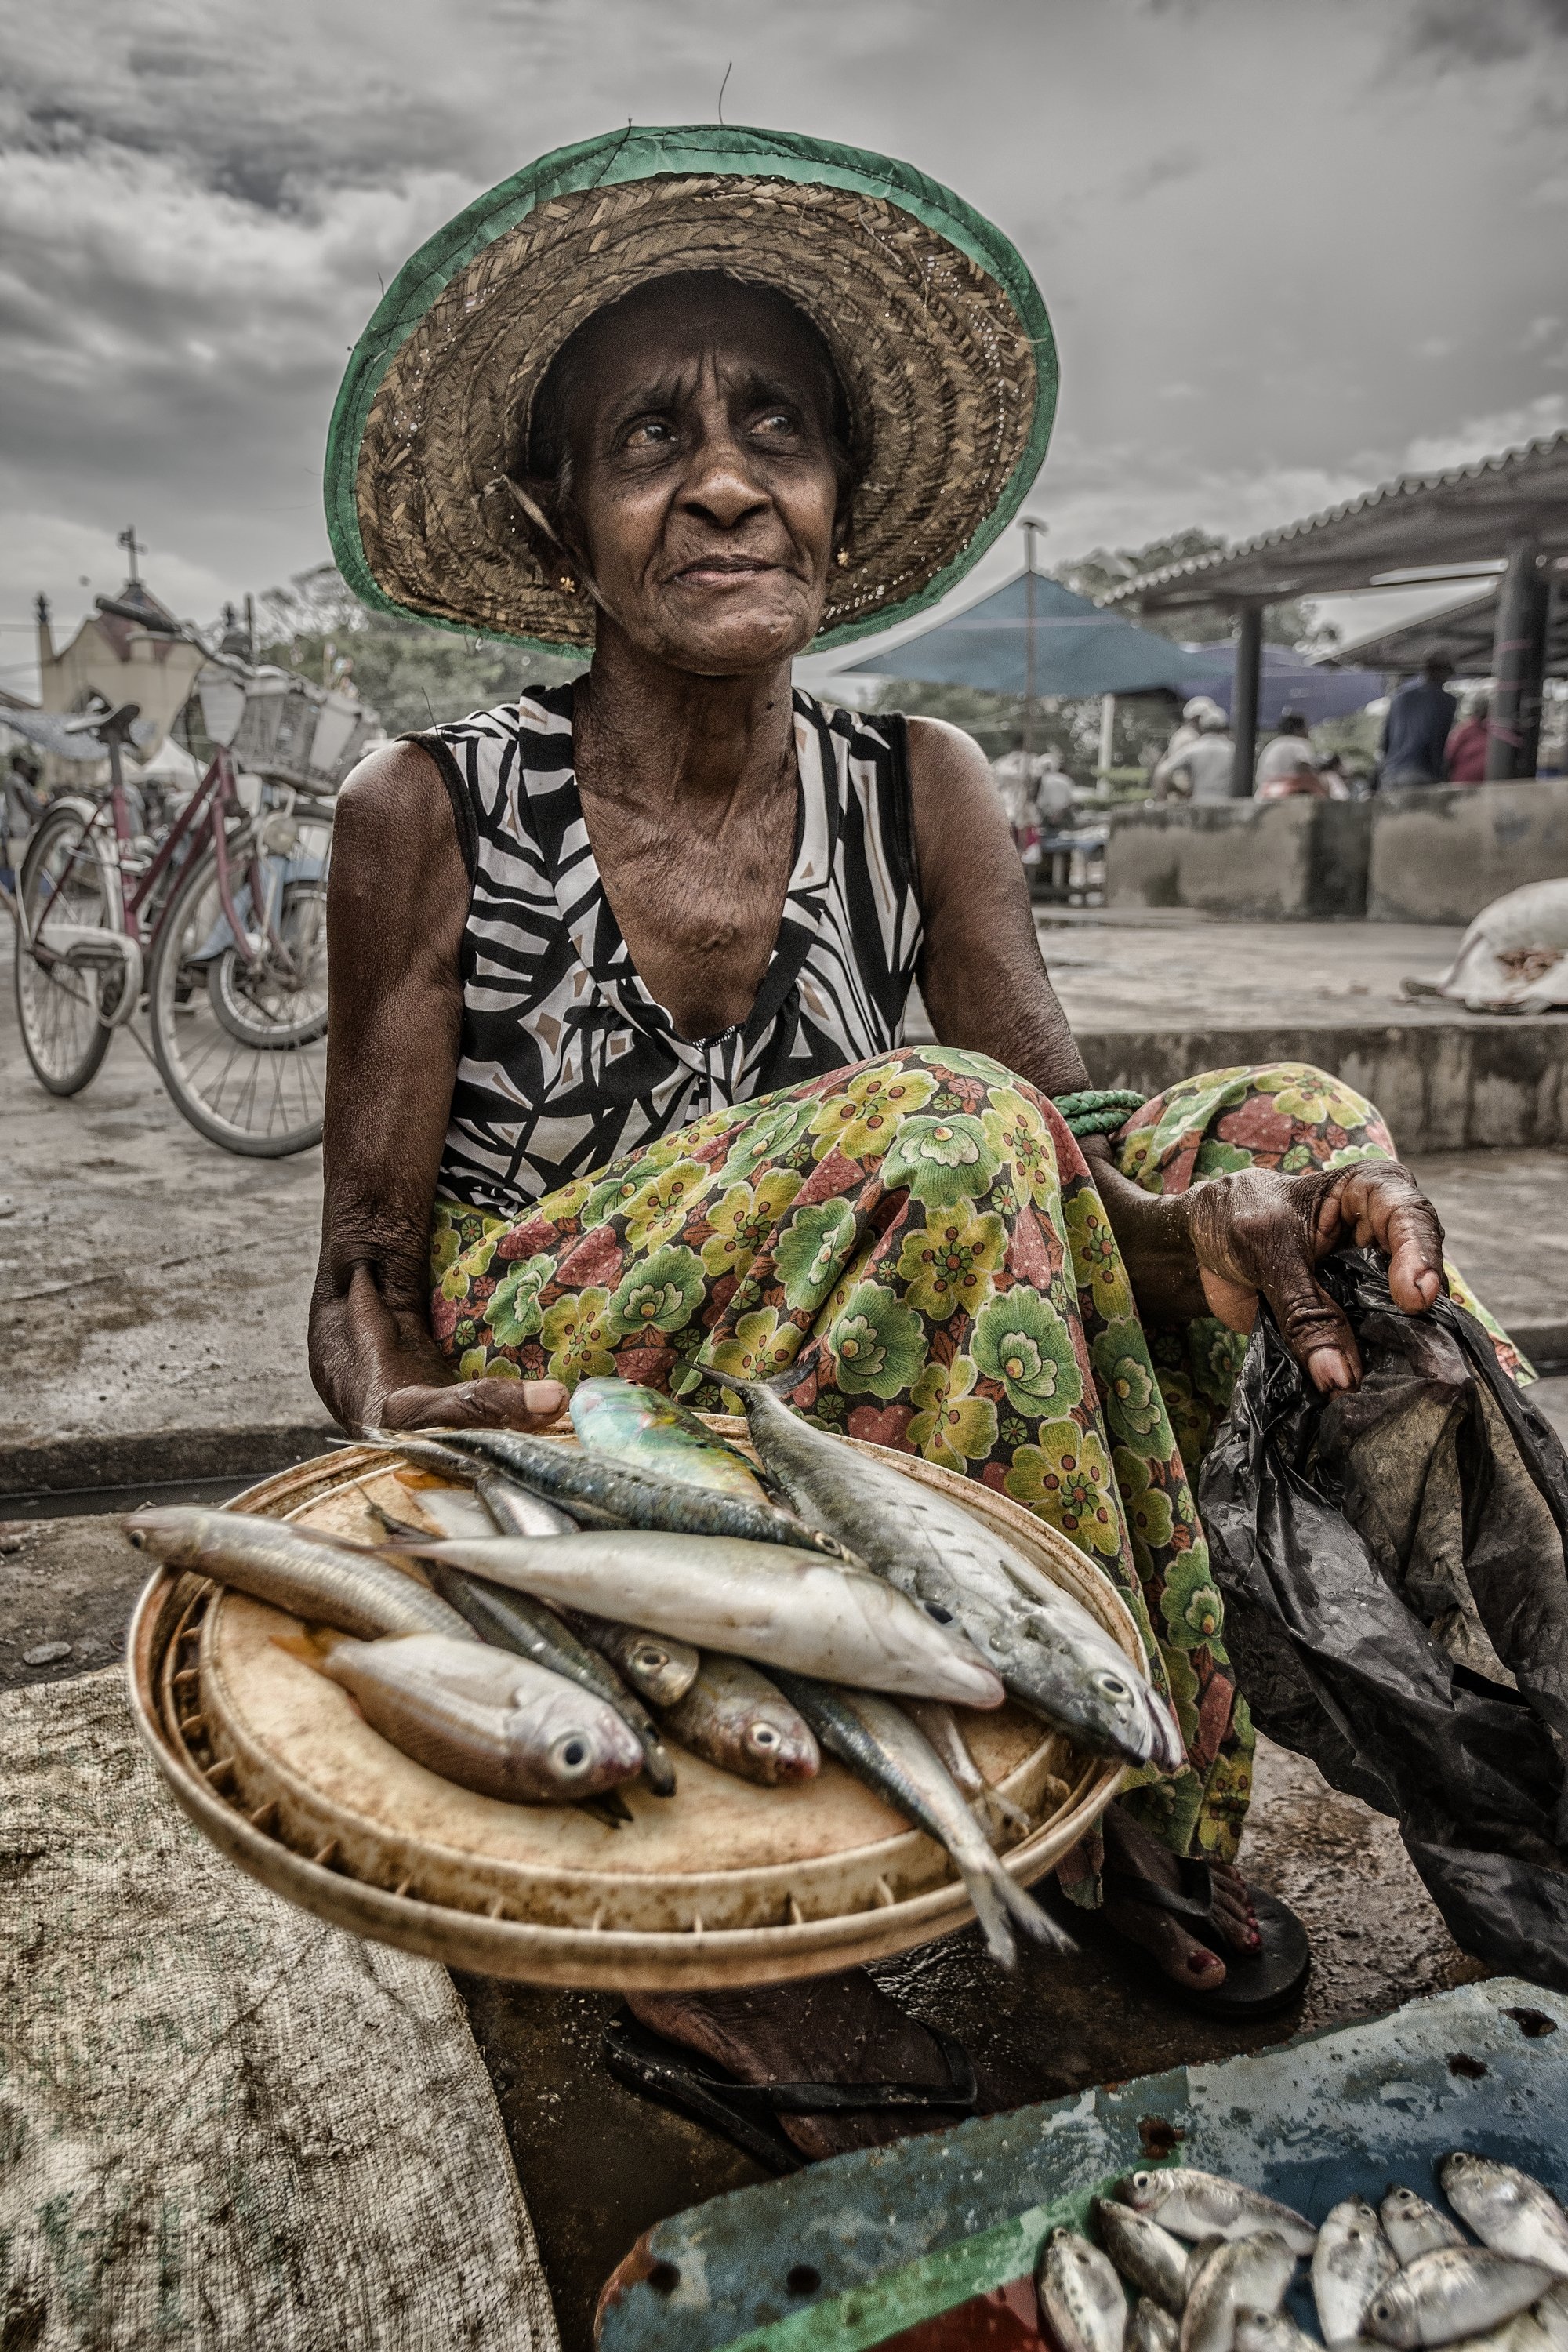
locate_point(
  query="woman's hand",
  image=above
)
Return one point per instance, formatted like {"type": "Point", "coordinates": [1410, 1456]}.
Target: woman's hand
{"type": "Point", "coordinates": [1258, 1233]}
{"type": "Point", "coordinates": [475, 1404]}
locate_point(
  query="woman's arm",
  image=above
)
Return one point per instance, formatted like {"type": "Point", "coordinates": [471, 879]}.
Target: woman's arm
{"type": "Point", "coordinates": [396, 904]}
{"type": "Point", "coordinates": [1207, 1251]}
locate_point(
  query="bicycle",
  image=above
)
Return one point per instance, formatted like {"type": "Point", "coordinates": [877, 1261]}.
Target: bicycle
{"type": "Point", "coordinates": [220, 929]}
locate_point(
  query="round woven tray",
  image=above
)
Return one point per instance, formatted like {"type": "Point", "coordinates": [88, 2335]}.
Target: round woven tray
{"type": "Point", "coordinates": [723, 1883]}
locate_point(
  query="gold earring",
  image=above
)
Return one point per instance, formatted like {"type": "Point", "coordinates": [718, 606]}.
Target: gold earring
{"type": "Point", "coordinates": [568, 585]}
{"type": "Point", "coordinates": [842, 559]}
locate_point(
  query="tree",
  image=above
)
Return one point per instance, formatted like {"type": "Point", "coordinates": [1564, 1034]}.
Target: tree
{"type": "Point", "coordinates": [1096, 574]}
{"type": "Point", "coordinates": [414, 674]}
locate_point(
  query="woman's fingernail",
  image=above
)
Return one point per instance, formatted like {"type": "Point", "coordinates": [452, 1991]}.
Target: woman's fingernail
{"type": "Point", "coordinates": [1428, 1285]}
{"type": "Point", "coordinates": [1328, 1369]}
{"type": "Point", "coordinates": [543, 1396]}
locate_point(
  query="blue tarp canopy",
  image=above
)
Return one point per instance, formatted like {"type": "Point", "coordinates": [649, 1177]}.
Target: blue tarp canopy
{"type": "Point", "coordinates": [1079, 649]}
{"type": "Point", "coordinates": [1287, 681]}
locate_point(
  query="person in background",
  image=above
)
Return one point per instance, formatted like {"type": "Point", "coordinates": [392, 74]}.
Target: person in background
{"type": "Point", "coordinates": [1286, 766]}
{"type": "Point", "coordinates": [1180, 742]}
{"type": "Point", "coordinates": [1467, 751]}
{"type": "Point", "coordinates": [1421, 718]}
{"type": "Point", "coordinates": [1204, 772]}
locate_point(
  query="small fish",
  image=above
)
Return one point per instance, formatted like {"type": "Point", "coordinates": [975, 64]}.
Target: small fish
{"type": "Point", "coordinates": [1270, 2331]}
{"type": "Point", "coordinates": [1459, 2290]}
{"type": "Point", "coordinates": [1149, 2329]}
{"type": "Point", "coordinates": [1551, 2316]}
{"type": "Point", "coordinates": [531, 1629]}
{"type": "Point", "coordinates": [754, 1600]}
{"type": "Point", "coordinates": [516, 1512]}
{"type": "Point", "coordinates": [659, 1668]}
{"type": "Point", "coordinates": [1413, 2227]}
{"type": "Point", "coordinates": [1055, 1657]}
{"type": "Point", "coordinates": [456, 1511]}
{"type": "Point", "coordinates": [1080, 2294]}
{"type": "Point", "coordinates": [940, 1725]}
{"type": "Point", "coordinates": [1205, 2205]}
{"type": "Point", "coordinates": [615, 1493]}
{"type": "Point", "coordinates": [1350, 2262]}
{"type": "Point", "coordinates": [1508, 2209]}
{"type": "Point", "coordinates": [882, 1747]}
{"type": "Point", "coordinates": [738, 1719]}
{"type": "Point", "coordinates": [630, 1423]}
{"type": "Point", "coordinates": [1527, 2331]}
{"type": "Point", "coordinates": [311, 1577]}
{"type": "Point", "coordinates": [497, 1724]}
{"type": "Point", "coordinates": [1251, 2273]}
{"type": "Point", "coordinates": [1155, 2261]}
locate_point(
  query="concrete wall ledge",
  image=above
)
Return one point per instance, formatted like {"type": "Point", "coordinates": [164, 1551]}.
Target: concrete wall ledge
{"type": "Point", "coordinates": [1442, 1087]}
{"type": "Point", "coordinates": [1299, 858]}
{"type": "Point", "coordinates": [1441, 853]}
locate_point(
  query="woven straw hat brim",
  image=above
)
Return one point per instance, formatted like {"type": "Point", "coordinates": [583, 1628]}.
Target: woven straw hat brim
{"type": "Point", "coordinates": [935, 323]}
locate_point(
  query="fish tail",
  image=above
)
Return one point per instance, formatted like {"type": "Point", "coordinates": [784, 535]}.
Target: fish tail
{"type": "Point", "coordinates": [1036, 1923]}
{"type": "Point", "coordinates": [991, 1910]}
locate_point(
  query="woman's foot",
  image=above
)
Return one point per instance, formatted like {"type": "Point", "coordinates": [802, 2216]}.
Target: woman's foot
{"type": "Point", "coordinates": [1192, 1965]}
{"type": "Point", "coordinates": [837, 2028]}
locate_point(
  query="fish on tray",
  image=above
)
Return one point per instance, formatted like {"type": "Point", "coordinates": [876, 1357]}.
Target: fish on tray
{"type": "Point", "coordinates": [1148, 2257]}
{"type": "Point", "coordinates": [1270, 2331]}
{"type": "Point", "coordinates": [735, 1718]}
{"type": "Point", "coordinates": [1349, 2261]}
{"type": "Point", "coordinates": [1080, 2295]}
{"type": "Point", "coordinates": [492, 1722]}
{"type": "Point", "coordinates": [312, 1576]}
{"type": "Point", "coordinates": [652, 1432]}
{"type": "Point", "coordinates": [1054, 1657]}
{"type": "Point", "coordinates": [1149, 2329]}
{"type": "Point", "coordinates": [778, 1608]}
{"type": "Point", "coordinates": [1249, 2273]}
{"type": "Point", "coordinates": [1508, 2209]}
{"type": "Point", "coordinates": [1413, 2227]}
{"type": "Point", "coordinates": [1194, 2204]}
{"type": "Point", "coordinates": [877, 1741]}
{"type": "Point", "coordinates": [1455, 2293]}
{"type": "Point", "coordinates": [937, 1720]}
{"type": "Point", "coordinates": [659, 1668]}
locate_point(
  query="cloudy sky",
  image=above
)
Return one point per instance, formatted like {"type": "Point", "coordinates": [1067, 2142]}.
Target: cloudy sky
{"type": "Point", "coordinates": [1290, 246]}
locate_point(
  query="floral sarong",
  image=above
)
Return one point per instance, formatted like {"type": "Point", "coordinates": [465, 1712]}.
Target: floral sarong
{"type": "Point", "coordinates": [919, 1239]}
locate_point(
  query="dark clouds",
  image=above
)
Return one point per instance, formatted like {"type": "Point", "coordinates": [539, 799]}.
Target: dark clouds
{"type": "Point", "coordinates": [1289, 246]}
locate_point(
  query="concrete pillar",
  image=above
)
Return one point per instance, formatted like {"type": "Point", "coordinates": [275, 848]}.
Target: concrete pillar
{"type": "Point", "coordinates": [1519, 664]}
{"type": "Point", "coordinates": [1244, 698]}
{"type": "Point", "coordinates": [1106, 744]}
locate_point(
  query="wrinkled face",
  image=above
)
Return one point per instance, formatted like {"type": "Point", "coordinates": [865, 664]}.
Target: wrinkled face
{"type": "Point", "coordinates": [702, 487]}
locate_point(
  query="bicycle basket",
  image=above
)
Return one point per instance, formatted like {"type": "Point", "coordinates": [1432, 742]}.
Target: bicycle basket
{"type": "Point", "coordinates": [296, 733]}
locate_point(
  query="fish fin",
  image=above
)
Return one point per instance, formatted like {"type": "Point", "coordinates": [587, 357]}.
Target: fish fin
{"type": "Point", "coordinates": [1035, 1920]}
{"type": "Point", "coordinates": [997, 1812]}
{"type": "Point", "coordinates": [991, 1910]}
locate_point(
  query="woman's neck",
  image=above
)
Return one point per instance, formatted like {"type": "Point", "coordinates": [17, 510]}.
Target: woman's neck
{"type": "Point", "coordinates": [651, 736]}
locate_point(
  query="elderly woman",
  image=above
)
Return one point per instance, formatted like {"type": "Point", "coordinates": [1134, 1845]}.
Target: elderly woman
{"type": "Point", "coordinates": [620, 969]}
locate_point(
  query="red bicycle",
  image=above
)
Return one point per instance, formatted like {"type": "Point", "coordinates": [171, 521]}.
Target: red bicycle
{"type": "Point", "coordinates": [218, 930]}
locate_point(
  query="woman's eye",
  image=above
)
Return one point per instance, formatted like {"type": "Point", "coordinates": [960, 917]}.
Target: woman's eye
{"type": "Point", "coordinates": [777, 420]}
{"type": "Point", "coordinates": [652, 433]}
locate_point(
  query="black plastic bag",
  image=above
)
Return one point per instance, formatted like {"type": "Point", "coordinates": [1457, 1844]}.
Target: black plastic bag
{"type": "Point", "coordinates": [1393, 1564]}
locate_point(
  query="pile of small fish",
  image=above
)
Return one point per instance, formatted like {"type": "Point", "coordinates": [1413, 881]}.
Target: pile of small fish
{"type": "Point", "coordinates": [583, 1601]}
{"type": "Point", "coordinates": [1210, 2263]}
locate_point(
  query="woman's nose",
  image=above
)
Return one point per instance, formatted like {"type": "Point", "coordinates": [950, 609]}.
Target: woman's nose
{"type": "Point", "coordinates": [720, 484]}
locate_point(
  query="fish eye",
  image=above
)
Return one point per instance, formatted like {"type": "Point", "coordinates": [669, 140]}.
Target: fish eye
{"type": "Point", "coordinates": [651, 1660]}
{"type": "Point", "coordinates": [762, 1735]}
{"type": "Point", "coordinates": [1140, 2180]}
{"type": "Point", "coordinates": [137, 1539]}
{"type": "Point", "coordinates": [942, 1616]}
{"type": "Point", "coordinates": [573, 1753]}
{"type": "Point", "coordinates": [1112, 1686]}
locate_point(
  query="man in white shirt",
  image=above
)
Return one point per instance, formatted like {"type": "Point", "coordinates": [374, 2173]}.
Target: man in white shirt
{"type": "Point", "coordinates": [1204, 770]}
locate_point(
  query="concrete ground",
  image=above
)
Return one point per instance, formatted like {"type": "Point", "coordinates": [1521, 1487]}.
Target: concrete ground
{"type": "Point", "coordinates": [152, 1296]}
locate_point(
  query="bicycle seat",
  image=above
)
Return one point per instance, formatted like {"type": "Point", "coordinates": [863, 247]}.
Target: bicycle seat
{"type": "Point", "coordinates": [111, 726]}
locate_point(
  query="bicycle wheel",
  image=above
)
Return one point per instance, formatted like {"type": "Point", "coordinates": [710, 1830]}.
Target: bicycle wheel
{"type": "Point", "coordinates": [246, 1068]}
{"type": "Point", "coordinates": [66, 878]}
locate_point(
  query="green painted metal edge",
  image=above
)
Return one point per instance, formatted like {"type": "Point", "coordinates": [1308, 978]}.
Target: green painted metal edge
{"type": "Point", "coordinates": [614, 159]}
{"type": "Point", "coordinates": [867, 2315]}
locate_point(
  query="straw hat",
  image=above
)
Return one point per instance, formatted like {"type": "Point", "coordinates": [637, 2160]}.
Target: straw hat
{"type": "Point", "coordinates": [936, 326]}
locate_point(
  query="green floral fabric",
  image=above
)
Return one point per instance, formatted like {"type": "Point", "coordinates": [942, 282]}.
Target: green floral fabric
{"type": "Point", "coordinates": [919, 1240]}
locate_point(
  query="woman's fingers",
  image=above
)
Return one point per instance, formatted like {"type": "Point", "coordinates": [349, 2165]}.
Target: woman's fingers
{"type": "Point", "coordinates": [1379, 1203]}
{"type": "Point", "coordinates": [475, 1404]}
{"type": "Point", "coordinates": [1315, 1329]}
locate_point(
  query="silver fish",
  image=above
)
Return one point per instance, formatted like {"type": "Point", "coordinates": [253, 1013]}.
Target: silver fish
{"type": "Point", "coordinates": [1528, 2331]}
{"type": "Point", "coordinates": [455, 1510]}
{"type": "Point", "coordinates": [1155, 2261]}
{"type": "Point", "coordinates": [1149, 2329]}
{"type": "Point", "coordinates": [659, 1668]}
{"type": "Point", "coordinates": [1270, 2331]}
{"type": "Point", "coordinates": [778, 1608]}
{"type": "Point", "coordinates": [516, 1512]}
{"type": "Point", "coordinates": [1055, 1658]}
{"type": "Point", "coordinates": [1205, 2204]}
{"type": "Point", "coordinates": [1251, 2273]}
{"type": "Point", "coordinates": [941, 1727]}
{"type": "Point", "coordinates": [880, 1744]}
{"type": "Point", "coordinates": [1080, 2294]}
{"type": "Point", "coordinates": [1458, 2291]}
{"type": "Point", "coordinates": [738, 1719]}
{"type": "Point", "coordinates": [1350, 2262]}
{"type": "Point", "coordinates": [1508, 2209]}
{"type": "Point", "coordinates": [615, 1493]}
{"type": "Point", "coordinates": [1413, 2227]}
{"type": "Point", "coordinates": [311, 1576]}
{"type": "Point", "coordinates": [1551, 2314]}
{"type": "Point", "coordinates": [490, 1722]}
{"type": "Point", "coordinates": [531, 1629]}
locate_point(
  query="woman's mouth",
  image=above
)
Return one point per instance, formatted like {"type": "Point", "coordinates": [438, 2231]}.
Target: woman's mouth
{"type": "Point", "coordinates": [722, 571]}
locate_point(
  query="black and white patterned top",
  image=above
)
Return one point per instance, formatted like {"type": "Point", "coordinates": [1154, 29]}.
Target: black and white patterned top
{"type": "Point", "coordinates": [566, 1061]}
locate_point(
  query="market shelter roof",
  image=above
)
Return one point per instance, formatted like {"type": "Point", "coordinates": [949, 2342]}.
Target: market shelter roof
{"type": "Point", "coordinates": [1079, 649]}
{"type": "Point", "coordinates": [1393, 536]}
{"type": "Point", "coordinates": [1464, 630]}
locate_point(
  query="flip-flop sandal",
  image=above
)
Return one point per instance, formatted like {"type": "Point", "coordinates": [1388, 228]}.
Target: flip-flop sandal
{"type": "Point", "coordinates": [742, 2112]}
{"type": "Point", "coordinates": [1257, 1983]}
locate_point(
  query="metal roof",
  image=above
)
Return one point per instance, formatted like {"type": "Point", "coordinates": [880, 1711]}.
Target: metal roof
{"type": "Point", "coordinates": [1463, 631]}
{"type": "Point", "coordinates": [1468, 514]}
